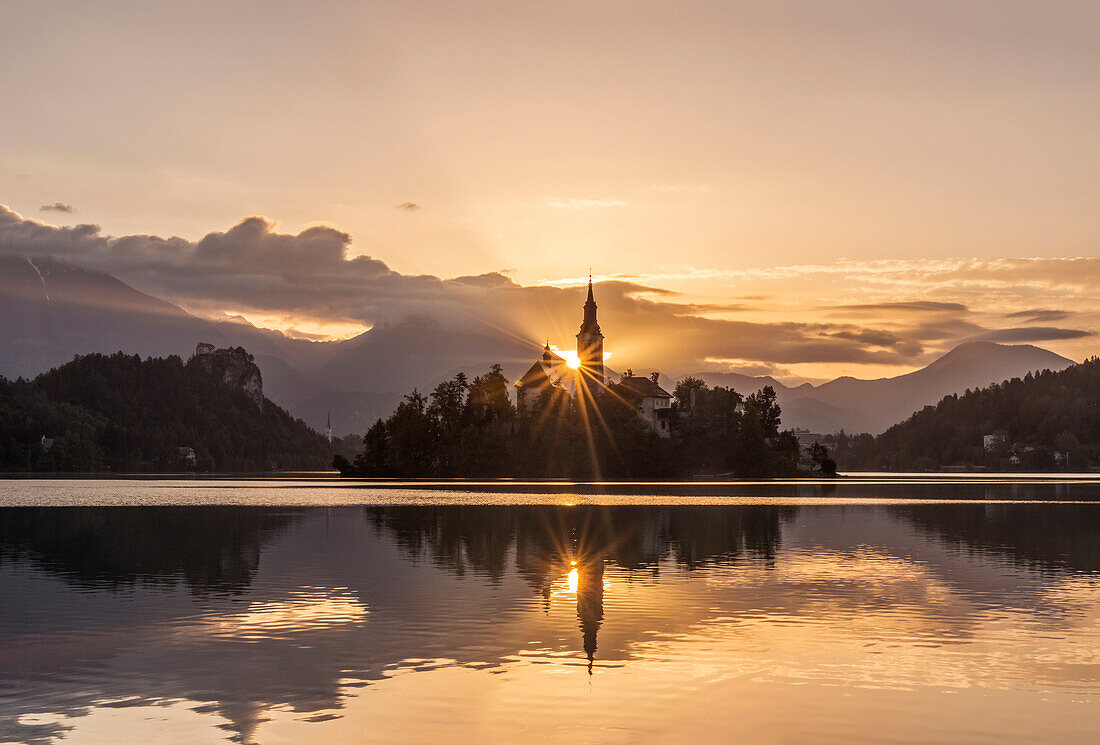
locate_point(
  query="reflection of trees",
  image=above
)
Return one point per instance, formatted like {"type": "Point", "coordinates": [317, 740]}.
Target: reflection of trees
{"type": "Point", "coordinates": [454, 538]}
{"type": "Point", "coordinates": [209, 548]}
{"type": "Point", "coordinates": [169, 646]}
{"type": "Point", "coordinates": [546, 538]}
{"type": "Point", "coordinates": [549, 542]}
{"type": "Point", "coordinates": [1055, 536]}
{"type": "Point", "coordinates": [199, 657]}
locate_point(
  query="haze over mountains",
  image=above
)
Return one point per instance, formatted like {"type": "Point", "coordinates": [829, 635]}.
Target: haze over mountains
{"type": "Point", "coordinates": [51, 311]}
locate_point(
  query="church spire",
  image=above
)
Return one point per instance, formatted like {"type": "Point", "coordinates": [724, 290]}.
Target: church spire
{"type": "Point", "coordinates": [590, 343]}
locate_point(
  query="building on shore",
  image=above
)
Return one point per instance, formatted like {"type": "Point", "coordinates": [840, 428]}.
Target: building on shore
{"type": "Point", "coordinates": [653, 402]}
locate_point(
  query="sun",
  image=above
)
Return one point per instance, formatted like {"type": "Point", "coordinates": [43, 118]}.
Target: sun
{"type": "Point", "coordinates": [571, 358]}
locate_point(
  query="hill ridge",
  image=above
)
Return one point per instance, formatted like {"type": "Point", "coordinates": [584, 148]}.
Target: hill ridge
{"type": "Point", "coordinates": [1038, 421]}
{"type": "Point", "coordinates": [122, 413]}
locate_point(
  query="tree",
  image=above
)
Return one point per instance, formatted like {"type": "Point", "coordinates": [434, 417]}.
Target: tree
{"type": "Point", "coordinates": [489, 396]}
{"type": "Point", "coordinates": [410, 449]}
{"type": "Point", "coordinates": [448, 400]}
{"type": "Point", "coordinates": [686, 391]}
{"type": "Point", "coordinates": [374, 461]}
{"type": "Point", "coordinates": [787, 453]}
{"type": "Point", "coordinates": [819, 455]}
{"type": "Point", "coordinates": [764, 405]}
{"type": "Point", "coordinates": [752, 459]}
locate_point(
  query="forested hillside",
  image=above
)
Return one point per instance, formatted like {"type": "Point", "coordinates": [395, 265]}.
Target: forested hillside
{"type": "Point", "coordinates": [1046, 421]}
{"type": "Point", "coordinates": [122, 413]}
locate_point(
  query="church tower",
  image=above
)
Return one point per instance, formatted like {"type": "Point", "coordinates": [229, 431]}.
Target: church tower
{"type": "Point", "coordinates": [590, 345]}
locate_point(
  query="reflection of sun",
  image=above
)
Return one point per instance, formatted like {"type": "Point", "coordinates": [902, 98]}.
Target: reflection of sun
{"type": "Point", "coordinates": [302, 612]}
{"type": "Point", "coordinates": [565, 586]}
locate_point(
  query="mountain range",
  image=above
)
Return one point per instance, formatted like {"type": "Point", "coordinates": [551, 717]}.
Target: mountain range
{"type": "Point", "coordinates": [51, 311]}
{"type": "Point", "coordinates": [856, 405]}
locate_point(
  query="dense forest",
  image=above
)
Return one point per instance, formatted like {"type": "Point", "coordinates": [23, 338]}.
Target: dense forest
{"type": "Point", "coordinates": [1042, 422]}
{"type": "Point", "coordinates": [121, 413]}
{"type": "Point", "coordinates": [469, 428]}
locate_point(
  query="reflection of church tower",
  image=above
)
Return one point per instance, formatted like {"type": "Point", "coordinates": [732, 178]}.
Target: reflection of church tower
{"type": "Point", "coordinates": [590, 345]}
{"type": "Point", "coordinates": [590, 603]}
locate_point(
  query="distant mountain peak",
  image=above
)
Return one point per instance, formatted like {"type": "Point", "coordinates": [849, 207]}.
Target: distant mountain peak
{"type": "Point", "coordinates": [979, 351]}
{"type": "Point", "coordinates": [856, 404]}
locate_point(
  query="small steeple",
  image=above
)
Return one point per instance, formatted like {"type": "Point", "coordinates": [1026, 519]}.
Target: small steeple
{"type": "Point", "coordinates": [328, 426]}
{"type": "Point", "coordinates": [547, 353]}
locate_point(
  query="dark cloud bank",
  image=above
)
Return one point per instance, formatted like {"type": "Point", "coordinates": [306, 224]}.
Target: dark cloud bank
{"type": "Point", "coordinates": [254, 268]}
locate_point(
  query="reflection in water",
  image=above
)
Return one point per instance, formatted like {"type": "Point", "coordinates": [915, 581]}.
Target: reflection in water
{"type": "Point", "coordinates": [590, 603]}
{"type": "Point", "coordinates": [550, 542]}
{"type": "Point", "coordinates": [210, 549]}
{"type": "Point", "coordinates": [1029, 533]}
{"type": "Point", "coordinates": [947, 623]}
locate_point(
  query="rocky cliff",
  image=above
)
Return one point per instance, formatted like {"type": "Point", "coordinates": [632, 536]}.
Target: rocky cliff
{"type": "Point", "coordinates": [233, 366]}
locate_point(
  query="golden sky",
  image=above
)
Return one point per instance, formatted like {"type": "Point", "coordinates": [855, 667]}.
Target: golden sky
{"type": "Point", "coordinates": [815, 154]}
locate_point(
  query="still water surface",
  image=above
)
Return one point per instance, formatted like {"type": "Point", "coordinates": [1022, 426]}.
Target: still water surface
{"type": "Point", "coordinates": [784, 618]}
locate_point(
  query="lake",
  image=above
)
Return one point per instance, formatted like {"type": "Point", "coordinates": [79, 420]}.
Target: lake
{"type": "Point", "coordinates": [877, 609]}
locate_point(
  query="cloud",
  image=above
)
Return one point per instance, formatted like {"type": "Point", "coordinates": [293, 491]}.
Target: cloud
{"type": "Point", "coordinates": [312, 278]}
{"type": "Point", "coordinates": [57, 207]}
{"type": "Point", "coordinates": [1039, 315]}
{"type": "Point", "coordinates": [753, 370]}
{"type": "Point", "coordinates": [490, 280]}
{"type": "Point", "coordinates": [1032, 334]}
{"type": "Point", "coordinates": [408, 206]}
{"type": "Point", "coordinates": [920, 306]}
{"type": "Point", "coordinates": [880, 338]}
{"type": "Point", "coordinates": [250, 266]}
{"type": "Point", "coordinates": [586, 204]}
{"type": "Point", "coordinates": [1081, 272]}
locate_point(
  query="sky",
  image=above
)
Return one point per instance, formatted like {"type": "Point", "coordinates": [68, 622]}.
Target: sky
{"type": "Point", "coordinates": [911, 175]}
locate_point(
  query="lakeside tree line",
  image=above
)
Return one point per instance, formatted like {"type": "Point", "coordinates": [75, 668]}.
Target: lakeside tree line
{"type": "Point", "coordinates": [124, 414]}
{"type": "Point", "coordinates": [470, 428]}
{"type": "Point", "coordinates": [1043, 421]}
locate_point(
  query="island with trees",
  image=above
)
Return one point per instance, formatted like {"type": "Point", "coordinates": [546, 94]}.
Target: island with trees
{"type": "Point", "coordinates": [470, 428]}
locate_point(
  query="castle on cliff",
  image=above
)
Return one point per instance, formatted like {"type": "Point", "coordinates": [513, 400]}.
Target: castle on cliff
{"type": "Point", "coordinates": [234, 365]}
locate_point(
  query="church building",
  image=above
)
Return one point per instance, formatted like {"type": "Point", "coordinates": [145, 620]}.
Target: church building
{"type": "Point", "coordinates": [587, 377]}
